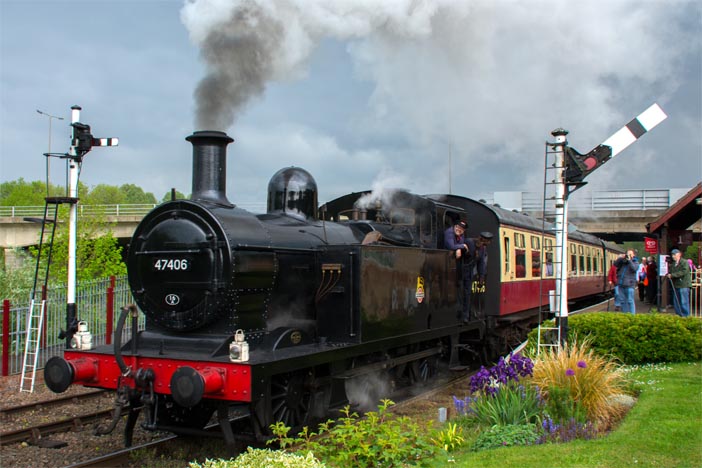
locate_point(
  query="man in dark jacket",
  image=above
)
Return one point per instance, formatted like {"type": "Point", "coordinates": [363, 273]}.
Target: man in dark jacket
{"type": "Point", "coordinates": [680, 274]}
{"type": "Point", "coordinates": [626, 280]}
{"type": "Point", "coordinates": [652, 275]}
{"type": "Point", "coordinates": [454, 239]}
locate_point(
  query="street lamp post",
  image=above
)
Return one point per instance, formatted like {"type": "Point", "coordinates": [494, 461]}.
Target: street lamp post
{"type": "Point", "coordinates": [48, 154]}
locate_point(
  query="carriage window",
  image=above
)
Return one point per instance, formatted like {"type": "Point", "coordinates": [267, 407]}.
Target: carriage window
{"type": "Point", "coordinates": [573, 260]}
{"type": "Point", "coordinates": [536, 263]}
{"type": "Point", "coordinates": [588, 260]}
{"type": "Point", "coordinates": [596, 261]}
{"type": "Point", "coordinates": [548, 263]}
{"type": "Point", "coordinates": [520, 267]}
{"type": "Point", "coordinates": [535, 256]}
{"type": "Point", "coordinates": [548, 245]}
{"type": "Point", "coordinates": [507, 255]}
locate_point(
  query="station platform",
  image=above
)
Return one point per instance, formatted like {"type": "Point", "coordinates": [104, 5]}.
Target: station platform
{"type": "Point", "coordinates": [642, 307]}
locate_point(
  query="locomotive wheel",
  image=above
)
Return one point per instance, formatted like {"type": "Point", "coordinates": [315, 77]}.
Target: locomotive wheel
{"type": "Point", "coordinates": [288, 399]}
{"type": "Point", "coordinates": [423, 370]}
{"type": "Point", "coordinates": [291, 397]}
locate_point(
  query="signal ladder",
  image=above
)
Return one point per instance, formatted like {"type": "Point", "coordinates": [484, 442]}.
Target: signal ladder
{"type": "Point", "coordinates": [554, 171]}
{"type": "Point", "coordinates": [37, 310]}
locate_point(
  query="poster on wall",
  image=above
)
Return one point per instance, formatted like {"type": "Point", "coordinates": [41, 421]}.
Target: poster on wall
{"type": "Point", "coordinates": [663, 265]}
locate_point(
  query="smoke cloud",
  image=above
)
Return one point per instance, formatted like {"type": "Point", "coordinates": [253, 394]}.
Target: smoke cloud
{"type": "Point", "coordinates": [492, 78]}
{"type": "Point", "coordinates": [247, 43]}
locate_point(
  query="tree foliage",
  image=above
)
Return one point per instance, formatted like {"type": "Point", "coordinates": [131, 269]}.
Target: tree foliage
{"type": "Point", "coordinates": [98, 253]}
{"type": "Point", "coordinates": [22, 193]}
{"type": "Point", "coordinates": [135, 194]}
{"type": "Point", "coordinates": [167, 196]}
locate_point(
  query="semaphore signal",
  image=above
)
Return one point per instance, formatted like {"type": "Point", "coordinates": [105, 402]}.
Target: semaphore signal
{"type": "Point", "coordinates": [571, 169]}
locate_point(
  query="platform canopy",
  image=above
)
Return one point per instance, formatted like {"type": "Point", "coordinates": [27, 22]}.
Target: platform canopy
{"type": "Point", "coordinates": [683, 214]}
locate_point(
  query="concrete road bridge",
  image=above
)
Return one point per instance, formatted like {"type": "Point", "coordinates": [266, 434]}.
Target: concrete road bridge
{"type": "Point", "coordinates": [616, 215]}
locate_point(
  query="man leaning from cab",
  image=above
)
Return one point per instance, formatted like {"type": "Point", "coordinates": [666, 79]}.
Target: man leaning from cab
{"type": "Point", "coordinates": [454, 239]}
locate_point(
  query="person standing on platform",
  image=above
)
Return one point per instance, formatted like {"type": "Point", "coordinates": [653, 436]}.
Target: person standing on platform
{"type": "Point", "coordinates": [626, 280]}
{"type": "Point", "coordinates": [681, 276]}
{"type": "Point", "coordinates": [612, 279]}
{"type": "Point", "coordinates": [652, 275]}
{"type": "Point", "coordinates": [642, 279]}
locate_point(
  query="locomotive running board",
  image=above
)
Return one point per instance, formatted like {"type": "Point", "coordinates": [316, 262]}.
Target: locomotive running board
{"type": "Point", "coordinates": [384, 365]}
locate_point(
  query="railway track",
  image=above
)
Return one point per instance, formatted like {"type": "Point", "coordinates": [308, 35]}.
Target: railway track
{"type": "Point", "coordinates": [121, 457]}
{"type": "Point", "coordinates": [8, 411]}
{"type": "Point", "coordinates": [36, 433]}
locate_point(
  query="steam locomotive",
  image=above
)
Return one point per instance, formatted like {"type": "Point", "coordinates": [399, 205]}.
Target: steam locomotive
{"type": "Point", "coordinates": [284, 315]}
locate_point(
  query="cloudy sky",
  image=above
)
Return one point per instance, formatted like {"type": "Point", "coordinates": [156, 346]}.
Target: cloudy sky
{"type": "Point", "coordinates": [360, 93]}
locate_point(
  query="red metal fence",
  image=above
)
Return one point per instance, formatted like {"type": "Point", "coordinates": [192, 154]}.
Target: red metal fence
{"type": "Point", "coordinates": [96, 301]}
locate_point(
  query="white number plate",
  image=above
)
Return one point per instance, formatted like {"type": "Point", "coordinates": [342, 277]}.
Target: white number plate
{"type": "Point", "coordinates": [171, 264]}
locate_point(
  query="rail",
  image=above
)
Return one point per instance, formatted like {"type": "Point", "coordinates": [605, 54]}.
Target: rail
{"type": "Point", "coordinates": [83, 210]}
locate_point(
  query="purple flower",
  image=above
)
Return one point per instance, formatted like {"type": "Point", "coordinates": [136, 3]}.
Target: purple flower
{"type": "Point", "coordinates": [582, 364]}
{"type": "Point", "coordinates": [570, 372]}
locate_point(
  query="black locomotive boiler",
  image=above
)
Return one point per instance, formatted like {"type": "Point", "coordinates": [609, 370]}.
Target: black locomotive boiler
{"type": "Point", "coordinates": [284, 315]}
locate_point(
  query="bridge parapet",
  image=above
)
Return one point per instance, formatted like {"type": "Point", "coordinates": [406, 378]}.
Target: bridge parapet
{"type": "Point", "coordinates": [594, 200]}
{"type": "Point", "coordinates": [83, 210]}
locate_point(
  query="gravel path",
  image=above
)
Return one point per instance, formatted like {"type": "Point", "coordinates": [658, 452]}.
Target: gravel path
{"type": "Point", "coordinates": [82, 445]}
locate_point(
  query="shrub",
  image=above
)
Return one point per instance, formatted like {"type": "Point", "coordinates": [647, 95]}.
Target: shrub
{"type": "Point", "coordinates": [566, 431]}
{"type": "Point", "coordinates": [510, 404]}
{"type": "Point", "coordinates": [636, 339]}
{"type": "Point", "coordinates": [562, 408]}
{"type": "Point", "coordinates": [590, 379]}
{"type": "Point", "coordinates": [381, 439]}
{"type": "Point", "coordinates": [449, 439]}
{"type": "Point", "coordinates": [263, 457]}
{"type": "Point", "coordinates": [507, 436]}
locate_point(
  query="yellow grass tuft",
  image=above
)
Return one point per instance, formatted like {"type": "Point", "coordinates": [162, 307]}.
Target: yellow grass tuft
{"type": "Point", "coordinates": [592, 380]}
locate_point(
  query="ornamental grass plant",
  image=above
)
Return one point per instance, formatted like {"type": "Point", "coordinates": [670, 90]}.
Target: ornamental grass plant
{"type": "Point", "coordinates": [592, 381]}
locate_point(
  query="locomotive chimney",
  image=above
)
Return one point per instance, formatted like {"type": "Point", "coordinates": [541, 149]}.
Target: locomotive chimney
{"type": "Point", "coordinates": [210, 166]}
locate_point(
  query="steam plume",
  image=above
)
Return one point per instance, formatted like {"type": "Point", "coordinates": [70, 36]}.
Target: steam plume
{"type": "Point", "coordinates": [247, 43]}
{"type": "Point", "coordinates": [491, 77]}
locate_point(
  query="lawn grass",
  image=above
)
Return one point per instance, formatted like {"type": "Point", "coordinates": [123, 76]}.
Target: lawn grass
{"type": "Point", "coordinates": [663, 429]}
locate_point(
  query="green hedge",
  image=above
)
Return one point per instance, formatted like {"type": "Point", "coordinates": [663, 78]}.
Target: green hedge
{"type": "Point", "coordinates": [637, 339]}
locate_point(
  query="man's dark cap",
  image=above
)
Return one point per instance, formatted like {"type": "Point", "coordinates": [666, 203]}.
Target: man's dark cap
{"type": "Point", "coordinates": [486, 235]}
{"type": "Point", "coordinates": [463, 224]}
{"type": "Point", "coordinates": [674, 251]}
